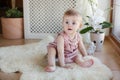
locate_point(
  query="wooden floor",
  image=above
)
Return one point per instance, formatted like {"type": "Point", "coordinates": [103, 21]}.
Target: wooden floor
{"type": "Point", "coordinates": [108, 55]}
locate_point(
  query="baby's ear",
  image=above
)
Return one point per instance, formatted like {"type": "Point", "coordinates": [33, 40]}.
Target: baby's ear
{"type": "Point", "coordinates": [81, 25]}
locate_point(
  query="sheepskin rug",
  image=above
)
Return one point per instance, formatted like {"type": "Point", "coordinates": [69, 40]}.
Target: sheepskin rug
{"type": "Point", "coordinates": [30, 60]}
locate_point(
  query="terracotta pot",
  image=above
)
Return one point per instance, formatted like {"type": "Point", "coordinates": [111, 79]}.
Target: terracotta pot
{"type": "Point", "coordinates": [98, 39]}
{"type": "Point", "coordinates": [12, 28]}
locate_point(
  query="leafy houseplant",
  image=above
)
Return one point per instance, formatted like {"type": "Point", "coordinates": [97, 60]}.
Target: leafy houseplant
{"type": "Point", "coordinates": [96, 22]}
{"type": "Point", "coordinates": [95, 25]}
{"type": "Point", "coordinates": [12, 24]}
{"type": "Point", "coordinates": [13, 13]}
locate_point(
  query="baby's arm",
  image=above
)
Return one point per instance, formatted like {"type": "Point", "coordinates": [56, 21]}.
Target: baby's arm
{"type": "Point", "coordinates": [60, 49]}
{"type": "Point", "coordinates": [82, 48]}
{"type": "Point", "coordinates": [82, 62]}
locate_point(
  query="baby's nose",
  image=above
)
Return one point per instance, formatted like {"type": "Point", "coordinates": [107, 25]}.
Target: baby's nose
{"type": "Point", "coordinates": [70, 25]}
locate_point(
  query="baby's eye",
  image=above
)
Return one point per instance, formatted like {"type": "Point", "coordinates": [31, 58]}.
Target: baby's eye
{"type": "Point", "coordinates": [66, 22]}
{"type": "Point", "coordinates": [73, 23]}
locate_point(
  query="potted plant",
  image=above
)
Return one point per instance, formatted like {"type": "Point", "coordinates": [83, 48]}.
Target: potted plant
{"type": "Point", "coordinates": [96, 24]}
{"type": "Point", "coordinates": [12, 24]}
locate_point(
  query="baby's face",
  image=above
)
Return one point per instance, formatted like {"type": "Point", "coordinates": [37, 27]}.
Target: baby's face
{"type": "Point", "coordinates": [71, 24]}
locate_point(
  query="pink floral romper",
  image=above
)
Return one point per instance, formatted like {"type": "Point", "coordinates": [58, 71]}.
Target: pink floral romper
{"type": "Point", "coordinates": [70, 46]}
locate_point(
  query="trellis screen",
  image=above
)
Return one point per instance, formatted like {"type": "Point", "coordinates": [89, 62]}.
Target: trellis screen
{"type": "Point", "coordinates": [44, 17]}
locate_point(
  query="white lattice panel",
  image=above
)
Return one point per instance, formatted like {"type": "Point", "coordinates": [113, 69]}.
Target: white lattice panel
{"type": "Point", "coordinates": [44, 17]}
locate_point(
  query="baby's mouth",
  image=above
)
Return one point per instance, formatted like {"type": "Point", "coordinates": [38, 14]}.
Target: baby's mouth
{"type": "Point", "coordinates": [69, 29]}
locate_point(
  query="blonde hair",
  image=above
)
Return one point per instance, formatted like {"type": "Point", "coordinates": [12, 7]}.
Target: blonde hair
{"type": "Point", "coordinates": [73, 12]}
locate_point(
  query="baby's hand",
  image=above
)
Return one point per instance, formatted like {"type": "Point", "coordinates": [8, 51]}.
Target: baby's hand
{"type": "Point", "coordinates": [68, 67]}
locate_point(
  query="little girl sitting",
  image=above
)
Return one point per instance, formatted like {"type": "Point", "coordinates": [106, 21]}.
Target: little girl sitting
{"type": "Point", "coordinates": [68, 45]}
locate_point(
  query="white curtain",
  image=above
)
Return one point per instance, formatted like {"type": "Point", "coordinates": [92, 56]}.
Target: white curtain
{"type": "Point", "coordinates": [103, 5]}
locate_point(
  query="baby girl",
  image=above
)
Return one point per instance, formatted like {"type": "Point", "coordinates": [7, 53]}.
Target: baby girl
{"type": "Point", "coordinates": [68, 45]}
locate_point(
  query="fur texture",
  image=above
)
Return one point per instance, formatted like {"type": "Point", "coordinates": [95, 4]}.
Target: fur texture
{"type": "Point", "coordinates": [30, 60]}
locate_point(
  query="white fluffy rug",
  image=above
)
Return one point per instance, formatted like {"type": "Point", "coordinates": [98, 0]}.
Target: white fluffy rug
{"type": "Point", "coordinates": [30, 60]}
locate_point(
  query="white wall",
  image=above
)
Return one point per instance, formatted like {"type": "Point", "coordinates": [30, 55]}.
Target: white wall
{"type": "Point", "coordinates": [116, 19]}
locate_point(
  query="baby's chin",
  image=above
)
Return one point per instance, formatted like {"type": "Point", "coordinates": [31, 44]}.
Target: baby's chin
{"type": "Point", "coordinates": [69, 31]}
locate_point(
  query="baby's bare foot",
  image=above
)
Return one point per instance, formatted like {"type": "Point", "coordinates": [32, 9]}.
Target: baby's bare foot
{"type": "Point", "coordinates": [50, 68]}
{"type": "Point", "coordinates": [87, 63]}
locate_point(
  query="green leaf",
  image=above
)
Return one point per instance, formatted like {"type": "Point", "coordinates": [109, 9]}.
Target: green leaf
{"type": "Point", "coordinates": [86, 24]}
{"type": "Point", "coordinates": [88, 16]}
{"type": "Point", "coordinates": [106, 25]}
{"type": "Point", "coordinates": [14, 13]}
{"type": "Point", "coordinates": [86, 30]}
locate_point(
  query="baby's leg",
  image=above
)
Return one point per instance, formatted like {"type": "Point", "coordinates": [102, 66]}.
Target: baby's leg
{"type": "Point", "coordinates": [83, 63]}
{"type": "Point", "coordinates": [51, 60]}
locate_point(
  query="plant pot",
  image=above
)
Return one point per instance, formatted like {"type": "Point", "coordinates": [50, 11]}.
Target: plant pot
{"type": "Point", "coordinates": [12, 28]}
{"type": "Point", "coordinates": [98, 39]}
